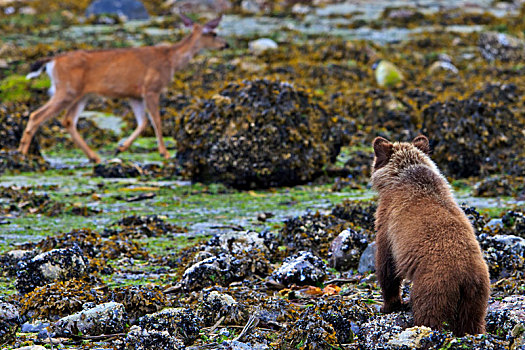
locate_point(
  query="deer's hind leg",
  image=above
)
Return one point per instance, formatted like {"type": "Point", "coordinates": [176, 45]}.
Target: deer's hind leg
{"type": "Point", "coordinates": [152, 105]}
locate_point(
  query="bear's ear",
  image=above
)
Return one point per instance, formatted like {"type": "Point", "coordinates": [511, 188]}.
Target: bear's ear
{"type": "Point", "coordinates": [421, 142]}
{"type": "Point", "coordinates": [383, 151]}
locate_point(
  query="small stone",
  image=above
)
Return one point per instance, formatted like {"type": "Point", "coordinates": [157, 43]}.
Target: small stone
{"type": "Point", "coordinates": [387, 74]}
{"type": "Point", "coordinates": [303, 268]}
{"type": "Point", "coordinates": [261, 45]}
{"type": "Point", "coordinates": [105, 318]}
{"type": "Point", "coordinates": [27, 10]}
{"type": "Point", "coordinates": [31, 347]}
{"type": "Point", "coordinates": [442, 66]}
{"type": "Point", "coordinates": [367, 262]}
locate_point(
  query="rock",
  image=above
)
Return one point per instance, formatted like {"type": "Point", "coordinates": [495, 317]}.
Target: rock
{"type": "Point", "coordinates": [216, 305]}
{"type": "Point", "coordinates": [27, 10]}
{"type": "Point", "coordinates": [514, 221]}
{"type": "Point", "coordinates": [240, 242]}
{"type": "Point", "coordinates": [9, 261]}
{"type": "Point", "coordinates": [31, 347]}
{"type": "Point", "coordinates": [506, 318]}
{"type": "Point", "coordinates": [411, 338]}
{"type": "Point", "coordinates": [142, 339]}
{"type": "Point", "coordinates": [438, 66]}
{"type": "Point", "coordinates": [303, 268]}
{"type": "Point", "coordinates": [367, 262]}
{"type": "Point", "coordinates": [208, 7]}
{"type": "Point", "coordinates": [34, 327]}
{"type": "Point", "coordinates": [379, 330]}
{"type": "Point", "coordinates": [130, 9]}
{"type": "Point", "coordinates": [346, 249]}
{"type": "Point", "coordinates": [301, 9]}
{"type": "Point", "coordinates": [180, 323]}
{"type": "Point", "coordinates": [253, 6]}
{"type": "Point", "coordinates": [54, 265]}
{"type": "Point", "coordinates": [105, 318]}
{"type": "Point", "coordinates": [271, 134]}
{"type": "Point", "coordinates": [479, 153]}
{"type": "Point", "coordinates": [9, 322]}
{"type": "Point", "coordinates": [261, 45]}
{"type": "Point", "coordinates": [504, 254]}
{"type": "Point", "coordinates": [237, 345]}
{"type": "Point", "coordinates": [387, 74]}
{"type": "Point", "coordinates": [501, 46]}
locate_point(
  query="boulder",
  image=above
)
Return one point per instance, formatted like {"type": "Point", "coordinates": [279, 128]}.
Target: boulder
{"type": "Point", "coordinates": [501, 46]}
{"type": "Point", "coordinates": [105, 318]}
{"type": "Point", "coordinates": [54, 265]}
{"type": "Point", "coordinates": [130, 9]}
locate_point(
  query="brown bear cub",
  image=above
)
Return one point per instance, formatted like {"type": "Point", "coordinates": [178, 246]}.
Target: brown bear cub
{"type": "Point", "coordinates": [424, 236]}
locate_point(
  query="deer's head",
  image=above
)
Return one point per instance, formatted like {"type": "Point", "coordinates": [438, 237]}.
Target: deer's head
{"type": "Point", "coordinates": [205, 34]}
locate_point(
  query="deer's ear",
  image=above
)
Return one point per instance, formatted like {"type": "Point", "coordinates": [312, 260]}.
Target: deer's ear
{"type": "Point", "coordinates": [186, 20]}
{"type": "Point", "coordinates": [382, 151]}
{"type": "Point", "coordinates": [421, 142]}
{"type": "Point", "coordinates": [211, 25]}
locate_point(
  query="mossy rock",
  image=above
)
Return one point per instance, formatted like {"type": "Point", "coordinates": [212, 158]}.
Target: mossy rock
{"type": "Point", "coordinates": [257, 134]}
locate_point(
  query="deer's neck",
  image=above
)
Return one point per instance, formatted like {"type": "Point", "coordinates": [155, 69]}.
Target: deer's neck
{"type": "Point", "coordinates": [183, 51]}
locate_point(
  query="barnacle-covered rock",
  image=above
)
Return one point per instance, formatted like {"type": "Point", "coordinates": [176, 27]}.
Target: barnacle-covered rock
{"type": "Point", "coordinates": [14, 161]}
{"type": "Point", "coordinates": [499, 186]}
{"type": "Point", "coordinates": [107, 318]}
{"type": "Point", "coordinates": [257, 134]}
{"type": "Point", "coordinates": [147, 225]}
{"type": "Point", "coordinates": [501, 46]}
{"type": "Point", "coordinates": [9, 322]}
{"type": "Point", "coordinates": [179, 322]}
{"type": "Point", "coordinates": [346, 249]}
{"type": "Point", "coordinates": [504, 254]}
{"type": "Point", "coordinates": [359, 213]}
{"type": "Point", "coordinates": [140, 300]}
{"type": "Point", "coordinates": [55, 265]}
{"type": "Point", "coordinates": [139, 338]}
{"type": "Point", "coordinates": [514, 222]}
{"type": "Point", "coordinates": [216, 305]}
{"type": "Point", "coordinates": [494, 137]}
{"type": "Point", "coordinates": [310, 331]}
{"type": "Point", "coordinates": [227, 258]}
{"type": "Point", "coordinates": [303, 268]}
{"type": "Point", "coordinates": [9, 261]}
{"type": "Point", "coordinates": [312, 232]}
{"type": "Point", "coordinates": [61, 299]}
{"type": "Point", "coordinates": [505, 316]}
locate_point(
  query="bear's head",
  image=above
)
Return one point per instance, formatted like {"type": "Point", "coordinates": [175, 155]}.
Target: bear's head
{"type": "Point", "coordinates": [384, 151]}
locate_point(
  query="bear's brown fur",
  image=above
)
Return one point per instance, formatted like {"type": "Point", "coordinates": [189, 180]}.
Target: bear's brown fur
{"type": "Point", "coordinates": [424, 236]}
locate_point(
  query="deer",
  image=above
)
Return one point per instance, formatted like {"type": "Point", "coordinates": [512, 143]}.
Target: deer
{"type": "Point", "coordinates": [139, 74]}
